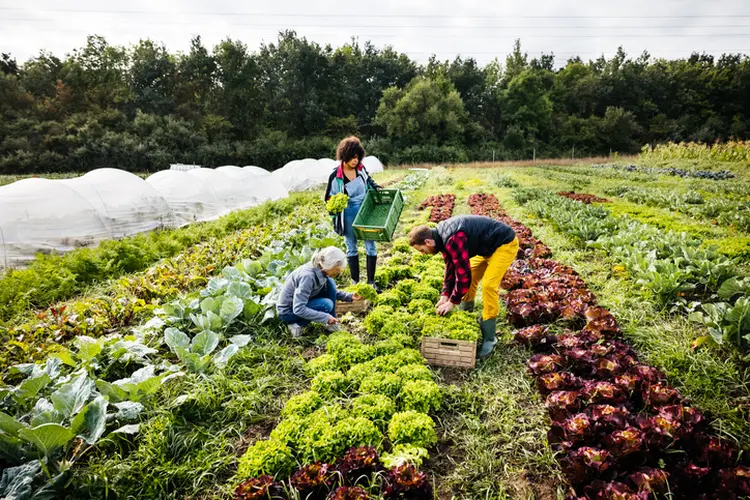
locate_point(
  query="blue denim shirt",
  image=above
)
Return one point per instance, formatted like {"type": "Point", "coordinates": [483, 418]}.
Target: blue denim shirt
{"type": "Point", "coordinates": [301, 285]}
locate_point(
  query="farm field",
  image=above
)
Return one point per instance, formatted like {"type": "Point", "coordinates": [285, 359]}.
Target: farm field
{"type": "Point", "coordinates": [622, 361]}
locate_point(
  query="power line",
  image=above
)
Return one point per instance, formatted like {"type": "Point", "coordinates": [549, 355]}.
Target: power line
{"type": "Point", "coordinates": [371, 15]}
{"type": "Point", "coordinates": [411, 26]}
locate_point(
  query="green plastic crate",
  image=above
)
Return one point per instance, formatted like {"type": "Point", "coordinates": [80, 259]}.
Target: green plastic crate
{"type": "Point", "coordinates": [378, 216]}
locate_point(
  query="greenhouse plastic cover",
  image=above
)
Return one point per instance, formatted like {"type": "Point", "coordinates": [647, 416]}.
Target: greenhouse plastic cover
{"type": "Point", "coordinates": [126, 203]}
{"type": "Point", "coordinates": [300, 175]}
{"type": "Point", "coordinates": [190, 199]}
{"type": "Point", "coordinates": [273, 189]}
{"type": "Point", "coordinates": [372, 164]}
{"type": "Point", "coordinates": [42, 215]}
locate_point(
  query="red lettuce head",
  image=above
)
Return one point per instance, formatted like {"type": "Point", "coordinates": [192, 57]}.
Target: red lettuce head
{"type": "Point", "coordinates": [625, 442]}
{"type": "Point", "coordinates": [650, 480]}
{"type": "Point", "coordinates": [259, 488]}
{"type": "Point", "coordinates": [570, 340]}
{"type": "Point", "coordinates": [647, 375]}
{"type": "Point", "coordinates": [544, 363]}
{"type": "Point", "coordinates": [688, 418]}
{"type": "Point", "coordinates": [359, 464]}
{"type": "Point", "coordinates": [657, 395]}
{"type": "Point", "coordinates": [557, 381]}
{"type": "Point", "coordinates": [627, 382]}
{"type": "Point", "coordinates": [714, 451]}
{"type": "Point", "coordinates": [736, 481]}
{"type": "Point", "coordinates": [574, 429]}
{"type": "Point", "coordinates": [585, 463]}
{"type": "Point", "coordinates": [599, 490]}
{"type": "Point", "coordinates": [602, 321]}
{"type": "Point", "coordinates": [559, 404]}
{"type": "Point", "coordinates": [537, 337]}
{"type": "Point", "coordinates": [405, 482]}
{"type": "Point", "coordinates": [312, 479]}
{"type": "Point", "coordinates": [608, 418]}
{"type": "Point", "coordinates": [600, 391]}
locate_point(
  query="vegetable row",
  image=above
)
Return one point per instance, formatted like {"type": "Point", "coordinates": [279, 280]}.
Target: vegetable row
{"type": "Point", "coordinates": [621, 431]}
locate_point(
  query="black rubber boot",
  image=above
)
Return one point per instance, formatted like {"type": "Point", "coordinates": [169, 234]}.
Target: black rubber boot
{"type": "Point", "coordinates": [354, 268]}
{"type": "Point", "coordinates": [372, 264]}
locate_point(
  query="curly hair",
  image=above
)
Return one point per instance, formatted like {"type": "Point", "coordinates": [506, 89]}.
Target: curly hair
{"type": "Point", "coordinates": [349, 148]}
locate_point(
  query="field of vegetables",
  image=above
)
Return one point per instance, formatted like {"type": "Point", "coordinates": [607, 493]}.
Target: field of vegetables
{"type": "Point", "coordinates": [621, 371]}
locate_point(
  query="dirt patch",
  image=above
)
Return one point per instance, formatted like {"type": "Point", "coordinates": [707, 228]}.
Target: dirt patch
{"type": "Point", "coordinates": [453, 376]}
{"type": "Point", "coordinates": [254, 433]}
{"type": "Point", "coordinates": [525, 486]}
{"type": "Point", "coordinates": [311, 352]}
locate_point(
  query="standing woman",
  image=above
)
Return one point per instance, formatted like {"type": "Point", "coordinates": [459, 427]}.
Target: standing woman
{"type": "Point", "coordinates": [352, 179]}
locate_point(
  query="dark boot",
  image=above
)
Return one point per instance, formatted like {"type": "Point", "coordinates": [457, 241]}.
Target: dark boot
{"type": "Point", "coordinates": [489, 328]}
{"type": "Point", "coordinates": [372, 264]}
{"type": "Point", "coordinates": [354, 268]}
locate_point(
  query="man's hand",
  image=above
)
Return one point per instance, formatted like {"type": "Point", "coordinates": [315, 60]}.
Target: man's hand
{"type": "Point", "coordinates": [332, 320]}
{"type": "Point", "coordinates": [445, 308]}
{"type": "Point", "coordinates": [443, 300]}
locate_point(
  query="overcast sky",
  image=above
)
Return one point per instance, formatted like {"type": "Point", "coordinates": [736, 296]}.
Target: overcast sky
{"type": "Point", "coordinates": [471, 28]}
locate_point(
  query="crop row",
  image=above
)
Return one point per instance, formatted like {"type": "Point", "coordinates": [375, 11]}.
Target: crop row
{"type": "Point", "coordinates": [731, 213]}
{"type": "Point", "coordinates": [442, 206]}
{"type": "Point", "coordinates": [714, 175]}
{"type": "Point", "coordinates": [621, 431]}
{"type": "Point", "coordinates": [731, 151]}
{"type": "Point", "coordinates": [588, 199]}
{"type": "Point", "coordinates": [677, 269]}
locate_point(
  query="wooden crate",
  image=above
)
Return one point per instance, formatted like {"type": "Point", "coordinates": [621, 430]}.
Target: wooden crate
{"type": "Point", "coordinates": [356, 307]}
{"type": "Point", "coordinates": [448, 352]}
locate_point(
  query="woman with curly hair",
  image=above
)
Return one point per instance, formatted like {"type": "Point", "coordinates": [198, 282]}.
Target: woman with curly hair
{"type": "Point", "coordinates": [351, 178]}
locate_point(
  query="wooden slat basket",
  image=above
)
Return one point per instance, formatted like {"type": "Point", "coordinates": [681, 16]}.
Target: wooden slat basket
{"type": "Point", "coordinates": [356, 307]}
{"type": "Point", "coordinates": [448, 352]}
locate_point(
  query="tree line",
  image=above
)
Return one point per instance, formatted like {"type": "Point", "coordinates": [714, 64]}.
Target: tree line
{"type": "Point", "coordinates": [141, 108]}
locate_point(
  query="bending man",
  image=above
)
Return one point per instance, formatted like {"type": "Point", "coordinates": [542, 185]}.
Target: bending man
{"type": "Point", "coordinates": [475, 249]}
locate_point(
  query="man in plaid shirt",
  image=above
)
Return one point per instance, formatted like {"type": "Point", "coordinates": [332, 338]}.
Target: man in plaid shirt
{"type": "Point", "coordinates": [475, 249]}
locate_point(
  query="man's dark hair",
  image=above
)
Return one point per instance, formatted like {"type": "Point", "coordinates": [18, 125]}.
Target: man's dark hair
{"type": "Point", "coordinates": [349, 148]}
{"type": "Point", "coordinates": [419, 234]}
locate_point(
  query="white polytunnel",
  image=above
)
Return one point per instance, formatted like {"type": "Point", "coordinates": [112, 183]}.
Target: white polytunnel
{"type": "Point", "coordinates": [273, 189]}
{"type": "Point", "coordinates": [42, 215]}
{"type": "Point", "coordinates": [372, 164]}
{"type": "Point", "coordinates": [126, 203]}
{"type": "Point", "coordinates": [228, 193]}
{"type": "Point", "coordinates": [252, 189]}
{"type": "Point", "coordinates": [299, 175]}
{"type": "Point", "coordinates": [190, 199]}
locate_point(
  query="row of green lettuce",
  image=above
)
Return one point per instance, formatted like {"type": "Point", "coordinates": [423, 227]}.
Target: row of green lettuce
{"type": "Point", "coordinates": [678, 270]}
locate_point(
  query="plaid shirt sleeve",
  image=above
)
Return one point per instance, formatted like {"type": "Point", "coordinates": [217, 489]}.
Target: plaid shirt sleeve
{"type": "Point", "coordinates": [457, 268]}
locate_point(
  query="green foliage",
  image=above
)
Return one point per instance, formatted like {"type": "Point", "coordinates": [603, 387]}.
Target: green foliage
{"type": "Point", "coordinates": [416, 371]}
{"type": "Point", "coordinates": [414, 428]}
{"type": "Point", "coordinates": [459, 325]}
{"type": "Point", "coordinates": [394, 298]}
{"type": "Point", "coordinates": [324, 362]}
{"type": "Point", "coordinates": [388, 384]}
{"type": "Point", "coordinates": [330, 384]}
{"type": "Point", "coordinates": [419, 306]}
{"type": "Point", "coordinates": [421, 395]}
{"type": "Point", "coordinates": [377, 318]}
{"type": "Point", "coordinates": [405, 454]}
{"type": "Point", "coordinates": [266, 457]}
{"type": "Point", "coordinates": [377, 407]}
{"type": "Point", "coordinates": [303, 404]}
{"type": "Point", "coordinates": [337, 203]}
{"type": "Point", "coordinates": [364, 290]}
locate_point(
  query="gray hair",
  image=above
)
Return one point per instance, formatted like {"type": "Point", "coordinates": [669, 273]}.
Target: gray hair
{"type": "Point", "coordinates": [329, 258]}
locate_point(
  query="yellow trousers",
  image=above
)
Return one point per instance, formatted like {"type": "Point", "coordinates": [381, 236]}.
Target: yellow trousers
{"type": "Point", "coordinates": [490, 271]}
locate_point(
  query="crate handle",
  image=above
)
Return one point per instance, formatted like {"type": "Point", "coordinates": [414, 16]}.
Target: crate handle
{"type": "Point", "coordinates": [449, 344]}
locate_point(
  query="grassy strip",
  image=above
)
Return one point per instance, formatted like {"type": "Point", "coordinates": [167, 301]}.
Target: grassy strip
{"type": "Point", "coordinates": [54, 277]}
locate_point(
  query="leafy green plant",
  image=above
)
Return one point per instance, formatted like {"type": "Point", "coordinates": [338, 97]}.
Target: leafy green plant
{"type": "Point", "coordinates": [405, 454]}
{"type": "Point", "coordinates": [414, 428]}
{"type": "Point", "coordinates": [377, 407]}
{"type": "Point", "coordinates": [421, 395]}
{"type": "Point", "coordinates": [266, 457]}
{"type": "Point", "coordinates": [388, 384]}
{"type": "Point", "coordinates": [303, 404]}
{"type": "Point", "coordinates": [337, 203]}
{"type": "Point", "coordinates": [330, 384]}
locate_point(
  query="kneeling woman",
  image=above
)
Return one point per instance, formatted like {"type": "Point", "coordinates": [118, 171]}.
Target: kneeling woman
{"type": "Point", "coordinates": [309, 293]}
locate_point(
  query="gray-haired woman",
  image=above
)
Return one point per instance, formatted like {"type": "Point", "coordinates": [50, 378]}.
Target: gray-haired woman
{"type": "Point", "coordinates": [309, 293]}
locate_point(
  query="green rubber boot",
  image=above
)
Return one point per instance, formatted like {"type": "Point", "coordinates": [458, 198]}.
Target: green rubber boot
{"type": "Point", "coordinates": [489, 328]}
{"type": "Point", "coordinates": [467, 306]}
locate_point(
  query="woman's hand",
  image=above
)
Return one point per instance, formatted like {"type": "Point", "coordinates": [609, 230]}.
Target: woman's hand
{"type": "Point", "coordinates": [332, 320]}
